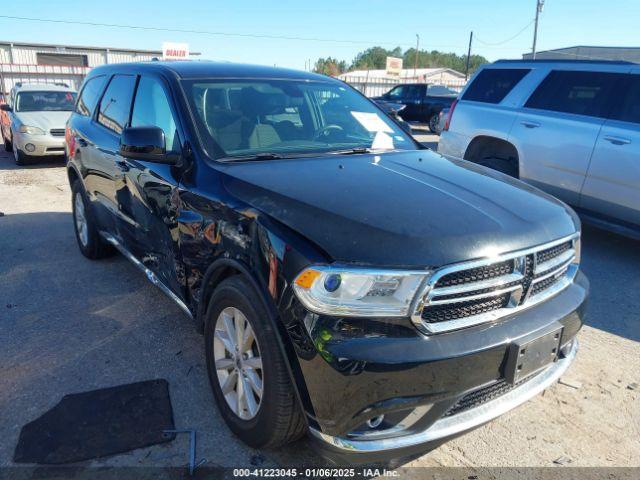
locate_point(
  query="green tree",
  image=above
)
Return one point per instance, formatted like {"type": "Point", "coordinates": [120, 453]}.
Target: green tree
{"type": "Point", "coordinates": [330, 66]}
{"type": "Point", "coordinates": [374, 58]}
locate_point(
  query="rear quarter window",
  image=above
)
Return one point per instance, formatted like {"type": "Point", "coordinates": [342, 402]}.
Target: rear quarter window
{"type": "Point", "coordinates": [493, 84]}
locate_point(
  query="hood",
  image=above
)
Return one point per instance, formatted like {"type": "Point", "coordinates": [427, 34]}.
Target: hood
{"type": "Point", "coordinates": [44, 120]}
{"type": "Point", "coordinates": [402, 209]}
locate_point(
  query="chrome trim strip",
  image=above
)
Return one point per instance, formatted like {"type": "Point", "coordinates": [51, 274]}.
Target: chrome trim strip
{"type": "Point", "coordinates": [516, 303]}
{"type": "Point", "coordinates": [565, 257]}
{"type": "Point", "coordinates": [466, 420]}
{"type": "Point", "coordinates": [493, 293]}
{"type": "Point", "coordinates": [480, 285]}
{"type": "Point", "coordinates": [152, 277]}
{"type": "Point", "coordinates": [552, 273]}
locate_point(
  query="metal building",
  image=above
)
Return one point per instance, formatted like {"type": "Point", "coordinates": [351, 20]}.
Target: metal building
{"type": "Point", "coordinates": [583, 52]}
{"type": "Point", "coordinates": [49, 63]}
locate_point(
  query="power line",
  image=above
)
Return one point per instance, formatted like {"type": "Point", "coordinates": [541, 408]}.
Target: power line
{"type": "Point", "coordinates": [210, 32]}
{"type": "Point", "coordinates": [520, 32]}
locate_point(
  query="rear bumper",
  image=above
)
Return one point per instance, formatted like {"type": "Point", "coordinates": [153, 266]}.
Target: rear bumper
{"type": "Point", "coordinates": [346, 449]}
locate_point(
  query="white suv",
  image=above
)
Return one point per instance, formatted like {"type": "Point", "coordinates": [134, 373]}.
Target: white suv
{"type": "Point", "coordinates": [571, 128]}
{"type": "Point", "coordinates": [38, 115]}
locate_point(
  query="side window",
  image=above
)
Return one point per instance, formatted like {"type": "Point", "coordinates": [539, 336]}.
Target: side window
{"type": "Point", "coordinates": [412, 92]}
{"type": "Point", "coordinates": [116, 103]}
{"type": "Point", "coordinates": [397, 93]}
{"type": "Point", "coordinates": [493, 84]}
{"type": "Point", "coordinates": [628, 109]}
{"type": "Point", "coordinates": [151, 109]}
{"type": "Point", "coordinates": [90, 95]}
{"type": "Point", "coordinates": [580, 93]}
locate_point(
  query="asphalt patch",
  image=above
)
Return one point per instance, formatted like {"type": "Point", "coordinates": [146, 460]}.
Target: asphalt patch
{"type": "Point", "coordinates": [98, 423]}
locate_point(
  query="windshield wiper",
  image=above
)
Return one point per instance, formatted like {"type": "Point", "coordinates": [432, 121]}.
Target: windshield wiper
{"type": "Point", "coordinates": [351, 151]}
{"type": "Point", "coordinates": [255, 157]}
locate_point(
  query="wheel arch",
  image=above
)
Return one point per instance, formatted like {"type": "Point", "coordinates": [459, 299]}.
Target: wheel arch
{"type": "Point", "coordinates": [224, 268]}
{"type": "Point", "coordinates": [484, 142]}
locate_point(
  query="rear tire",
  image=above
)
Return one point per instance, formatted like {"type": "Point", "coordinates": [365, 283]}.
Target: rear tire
{"type": "Point", "coordinates": [433, 123]}
{"type": "Point", "coordinates": [278, 419]}
{"type": "Point", "coordinates": [91, 244]}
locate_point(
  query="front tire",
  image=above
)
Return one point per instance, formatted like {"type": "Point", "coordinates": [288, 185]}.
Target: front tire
{"type": "Point", "coordinates": [19, 156]}
{"type": "Point", "coordinates": [91, 244]}
{"type": "Point", "coordinates": [7, 145]}
{"type": "Point", "coordinates": [247, 372]}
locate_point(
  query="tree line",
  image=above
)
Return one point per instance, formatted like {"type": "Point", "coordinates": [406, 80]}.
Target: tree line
{"type": "Point", "coordinates": [375, 58]}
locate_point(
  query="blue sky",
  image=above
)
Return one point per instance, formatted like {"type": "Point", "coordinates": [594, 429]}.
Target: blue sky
{"type": "Point", "coordinates": [357, 24]}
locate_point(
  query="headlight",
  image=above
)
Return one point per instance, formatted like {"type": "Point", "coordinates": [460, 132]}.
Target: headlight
{"type": "Point", "coordinates": [334, 290]}
{"type": "Point", "coordinates": [31, 130]}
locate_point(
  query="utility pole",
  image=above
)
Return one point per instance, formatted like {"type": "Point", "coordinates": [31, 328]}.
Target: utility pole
{"type": "Point", "coordinates": [415, 58]}
{"type": "Point", "coordinates": [466, 69]}
{"type": "Point", "coordinates": [539, 5]}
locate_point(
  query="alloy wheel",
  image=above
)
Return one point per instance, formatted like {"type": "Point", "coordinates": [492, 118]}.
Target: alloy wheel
{"type": "Point", "coordinates": [81, 220]}
{"type": "Point", "coordinates": [238, 363]}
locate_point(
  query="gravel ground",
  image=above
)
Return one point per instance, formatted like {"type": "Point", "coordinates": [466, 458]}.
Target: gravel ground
{"type": "Point", "coordinates": [68, 324]}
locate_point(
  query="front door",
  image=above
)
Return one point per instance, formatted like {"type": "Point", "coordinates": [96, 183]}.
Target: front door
{"type": "Point", "coordinates": [612, 186]}
{"type": "Point", "coordinates": [148, 197]}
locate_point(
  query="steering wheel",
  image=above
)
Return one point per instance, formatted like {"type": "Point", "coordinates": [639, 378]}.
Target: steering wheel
{"type": "Point", "coordinates": [324, 132]}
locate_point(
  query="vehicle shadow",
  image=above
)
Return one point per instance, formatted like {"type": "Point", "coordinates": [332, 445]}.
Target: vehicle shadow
{"type": "Point", "coordinates": [53, 161]}
{"type": "Point", "coordinates": [612, 264]}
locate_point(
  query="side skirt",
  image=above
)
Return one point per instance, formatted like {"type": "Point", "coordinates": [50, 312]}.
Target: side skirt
{"type": "Point", "coordinates": [152, 277]}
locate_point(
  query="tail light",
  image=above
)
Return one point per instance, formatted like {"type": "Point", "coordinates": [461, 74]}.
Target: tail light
{"type": "Point", "coordinates": [447, 122]}
{"type": "Point", "coordinates": [71, 142]}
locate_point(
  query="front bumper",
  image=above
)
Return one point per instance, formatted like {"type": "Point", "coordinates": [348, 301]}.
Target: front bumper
{"type": "Point", "coordinates": [42, 144]}
{"type": "Point", "coordinates": [340, 448]}
{"type": "Point", "coordinates": [357, 369]}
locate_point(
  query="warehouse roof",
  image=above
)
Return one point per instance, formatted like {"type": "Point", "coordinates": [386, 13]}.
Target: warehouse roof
{"type": "Point", "coordinates": [84, 47]}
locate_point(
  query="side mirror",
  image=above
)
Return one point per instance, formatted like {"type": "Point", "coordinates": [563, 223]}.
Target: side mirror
{"type": "Point", "coordinates": [146, 143]}
{"type": "Point", "coordinates": [6, 108]}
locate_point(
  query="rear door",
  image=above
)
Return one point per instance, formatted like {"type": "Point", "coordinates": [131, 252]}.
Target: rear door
{"type": "Point", "coordinates": [556, 131]}
{"type": "Point", "coordinates": [612, 186]}
{"type": "Point", "coordinates": [110, 119]}
{"type": "Point", "coordinates": [148, 195]}
{"type": "Point", "coordinates": [98, 174]}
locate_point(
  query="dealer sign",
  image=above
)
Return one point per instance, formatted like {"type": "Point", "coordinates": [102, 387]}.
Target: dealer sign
{"type": "Point", "coordinates": [175, 51]}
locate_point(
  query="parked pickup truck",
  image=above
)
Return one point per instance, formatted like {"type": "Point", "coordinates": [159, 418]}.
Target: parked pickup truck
{"type": "Point", "coordinates": [422, 102]}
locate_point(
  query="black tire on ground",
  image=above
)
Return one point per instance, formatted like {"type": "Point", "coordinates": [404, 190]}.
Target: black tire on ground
{"type": "Point", "coordinates": [8, 147]}
{"type": "Point", "coordinates": [433, 123]}
{"type": "Point", "coordinates": [20, 157]}
{"type": "Point", "coordinates": [96, 247]}
{"type": "Point", "coordinates": [279, 419]}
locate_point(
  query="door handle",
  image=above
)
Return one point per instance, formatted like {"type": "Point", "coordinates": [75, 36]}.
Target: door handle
{"type": "Point", "coordinates": [122, 165]}
{"type": "Point", "coordinates": [617, 140]}
{"type": "Point", "coordinates": [529, 124]}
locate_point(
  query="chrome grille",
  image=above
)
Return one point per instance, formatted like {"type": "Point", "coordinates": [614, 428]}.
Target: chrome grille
{"type": "Point", "coordinates": [57, 132]}
{"type": "Point", "coordinates": [480, 291]}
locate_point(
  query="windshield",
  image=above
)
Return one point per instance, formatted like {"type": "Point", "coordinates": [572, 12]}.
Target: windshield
{"type": "Point", "coordinates": [238, 118]}
{"type": "Point", "coordinates": [45, 101]}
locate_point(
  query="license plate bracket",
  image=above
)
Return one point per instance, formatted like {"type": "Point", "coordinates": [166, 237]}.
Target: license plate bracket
{"type": "Point", "coordinates": [532, 353]}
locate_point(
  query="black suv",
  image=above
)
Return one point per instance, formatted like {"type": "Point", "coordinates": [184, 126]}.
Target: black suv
{"type": "Point", "coordinates": [349, 283]}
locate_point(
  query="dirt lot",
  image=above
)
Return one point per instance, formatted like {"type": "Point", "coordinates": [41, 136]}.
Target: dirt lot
{"type": "Point", "coordinates": [68, 324]}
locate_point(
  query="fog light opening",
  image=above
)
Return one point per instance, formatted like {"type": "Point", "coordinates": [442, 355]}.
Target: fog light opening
{"type": "Point", "coordinates": [375, 422]}
{"type": "Point", "coordinates": [30, 147]}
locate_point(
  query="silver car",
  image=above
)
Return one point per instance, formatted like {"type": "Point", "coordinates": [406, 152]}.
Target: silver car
{"type": "Point", "coordinates": [38, 114]}
{"type": "Point", "coordinates": [571, 128]}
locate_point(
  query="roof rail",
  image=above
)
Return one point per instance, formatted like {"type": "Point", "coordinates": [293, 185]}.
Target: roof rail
{"type": "Point", "coordinates": [561, 60]}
